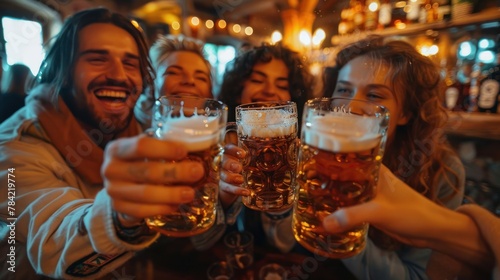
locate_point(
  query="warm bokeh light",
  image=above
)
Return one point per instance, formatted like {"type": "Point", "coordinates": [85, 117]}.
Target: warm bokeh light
{"type": "Point", "coordinates": [237, 28]}
{"type": "Point", "coordinates": [433, 50]}
{"type": "Point", "coordinates": [209, 24]}
{"type": "Point", "coordinates": [316, 68]}
{"type": "Point", "coordinates": [400, 4]}
{"type": "Point", "coordinates": [195, 21]}
{"type": "Point", "coordinates": [248, 30]}
{"type": "Point", "coordinates": [399, 24]}
{"type": "Point", "coordinates": [318, 37]}
{"type": "Point", "coordinates": [221, 23]}
{"type": "Point", "coordinates": [373, 6]}
{"type": "Point", "coordinates": [427, 50]}
{"type": "Point", "coordinates": [176, 25]}
{"type": "Point", "coordinates": [276, 37]}
{"type": "Point", "coordinates": [305, 38]}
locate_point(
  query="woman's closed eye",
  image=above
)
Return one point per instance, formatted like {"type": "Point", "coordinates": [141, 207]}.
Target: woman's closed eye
{"type": "Point", "coordinates": [172, 72]}
{"type": "Point", "coordinates": [256, 81]}
{"type": "Point", "coordinates": [342, 92]}
{"type": "Point", "coordinates": [201, 77]}
{"type": "Point", "coordinates": [374, 96]}
{"type": "Point", "coordinates": [282, 84]}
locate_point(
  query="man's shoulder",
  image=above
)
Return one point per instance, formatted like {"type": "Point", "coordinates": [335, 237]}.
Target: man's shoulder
{"type": "Point", "coordinates": [21, 124]}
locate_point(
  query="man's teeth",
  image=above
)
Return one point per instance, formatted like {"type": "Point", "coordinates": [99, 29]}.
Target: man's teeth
{"type": "Point", "coordinates": [111, 93]}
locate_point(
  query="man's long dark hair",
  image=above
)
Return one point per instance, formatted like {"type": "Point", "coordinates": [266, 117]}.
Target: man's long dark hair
{"type": "Point", "coordinates": [57, 67]}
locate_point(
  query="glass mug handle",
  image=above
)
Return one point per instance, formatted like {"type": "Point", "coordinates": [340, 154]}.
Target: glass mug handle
{"type": "Point", "coordinates": [231, 134]}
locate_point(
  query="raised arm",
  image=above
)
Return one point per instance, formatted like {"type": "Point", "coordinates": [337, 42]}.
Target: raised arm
{"type": "Point", "coordinates": [431, 226]}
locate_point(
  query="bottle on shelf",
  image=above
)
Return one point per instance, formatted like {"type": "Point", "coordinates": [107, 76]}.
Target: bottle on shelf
{"type": "Point", "coordinates": [475, 81]}
{"type": "Point", "coordinates": [358, 15]}
{"type": "Point", "coordinates": [412, 14]}
{"type": "Point", "coordinates": [489, 91]}
{"type": "Point", "coordinates": [453, 91]}
{"type": "Point", "coordinates": [444, 11]}
{"type": "Point", "coordinates": [345, 26]}
{"type": "Point", "coordinates": [422, 16]}
{"type": "Point", "coordinates": [398, 16]}
{"type": "Point", "coordinates": [465, 94]}
{"type": "Point", "coordinates": [384, 14]}
{"type": "Point", "coordinates": [372, 11]}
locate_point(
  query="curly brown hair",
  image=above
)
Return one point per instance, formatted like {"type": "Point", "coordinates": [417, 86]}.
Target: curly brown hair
{"type": "Point", "coordinates": [299, 78]}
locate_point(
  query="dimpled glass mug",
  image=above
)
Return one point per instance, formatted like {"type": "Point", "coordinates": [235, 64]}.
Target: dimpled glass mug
{"type": "Point", "coordinates": [342, 144]}
{"type": "Point", "coordinates": [267, 131]}
{"type": "Point", "coordinates": [199, 124]}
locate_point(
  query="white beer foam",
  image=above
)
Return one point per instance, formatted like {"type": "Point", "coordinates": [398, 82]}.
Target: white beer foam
{"type": "Point", "coordinates": [267, 123]}
{"type": "Point", "coordinates": [197, 133]}
{"type": "Point", "coordinates": [342, 132]}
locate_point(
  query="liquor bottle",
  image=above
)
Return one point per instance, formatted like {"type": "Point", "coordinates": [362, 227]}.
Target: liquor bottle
{"type": "Point", "coordinates": [422, 16]}
{"type": "Point", "coordinates": [430, 11]}
{"type": "Point", "coordinates": [444, 10]}
{"type": "Point", "coordinates": [413, 12]}
{"type": "Point", "coordinates": [398, 16]}
{"type": "Point", "coordinates": [359, 15]}
{"type": "Point", "coordinates": [475, 80]}
{"type": "Point", "coordinates": [345, 25]}
{"type": "Point", "coordinates": [464, 97]}
{"type": "Point", "coordinates": [452, 92]}
{"type": "Point", "coordinates": [489, 91]}
{"type": "Point", "coordinates": [384, 14]}
{"type": "Point", "coordinates": [372, 11]}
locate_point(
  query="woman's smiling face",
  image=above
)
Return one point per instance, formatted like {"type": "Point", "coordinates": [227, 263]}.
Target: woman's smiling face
{"type": "Point", "coordinates": [267, 82]}
{"type": "Point", "coordinates": [367, 79]}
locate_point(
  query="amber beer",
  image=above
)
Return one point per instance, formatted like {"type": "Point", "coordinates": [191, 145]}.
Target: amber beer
{"type": "Point", "coordinates": [200, 125]}
{"type": "Point", "coordinates": [268, 133]}
{"type": "Point", "coordinates": [339, 160]}
{"type": "Point", "coordinates": [198, 216]}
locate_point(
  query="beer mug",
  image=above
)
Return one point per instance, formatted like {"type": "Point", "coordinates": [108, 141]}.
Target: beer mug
{"type": "Point", "coordinates": [267, 131]}
{"type": "Point", "coordinates": [199, 124]}
{"type": "Point", "coordinates": [342, 144]}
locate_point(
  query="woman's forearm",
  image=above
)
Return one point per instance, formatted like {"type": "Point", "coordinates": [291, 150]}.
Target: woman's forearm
{"type": "Point", "coordinates": [458, 236]}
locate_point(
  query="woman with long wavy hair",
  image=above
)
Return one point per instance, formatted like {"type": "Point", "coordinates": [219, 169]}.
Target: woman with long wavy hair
{"type": "Point", "coordinates": [395, 75]}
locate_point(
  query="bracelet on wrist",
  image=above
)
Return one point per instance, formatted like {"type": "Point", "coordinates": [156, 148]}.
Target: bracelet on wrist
{"type": "Point", "coordinates": [278, 216]}
{"type": "Point", "coordinates": [133, 234]}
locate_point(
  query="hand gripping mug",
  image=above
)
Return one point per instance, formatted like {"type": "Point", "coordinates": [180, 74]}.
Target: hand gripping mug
{"type": "Point", "coordinates": [199, 124]}
{"type": "Point", "coordinates": [342, 144]}
{"type": "Point", "coordinates": [267, 131]}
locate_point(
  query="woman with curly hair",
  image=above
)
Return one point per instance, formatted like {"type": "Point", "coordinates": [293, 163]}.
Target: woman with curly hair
{"type": "Point", "coordinates": [266, 73]}
{"type": "Point", "coordinates": [393, 74]}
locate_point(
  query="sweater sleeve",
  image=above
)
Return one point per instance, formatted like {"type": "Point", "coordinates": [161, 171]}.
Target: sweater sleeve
{"type": "Point", "coordinates": [62, 223]}
{"type": "Point", "coordinates": [375, 263]}
{"type": "Point", "coordinates": [409, 262]}
{"type": "Point", "coordinates": [489, 226]}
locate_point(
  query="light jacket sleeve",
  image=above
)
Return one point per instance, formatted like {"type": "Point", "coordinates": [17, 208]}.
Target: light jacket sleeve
{"type": "Point", "coordinates": [408, 263]}
{"type": "Point", "coordinates": [61, 221]}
